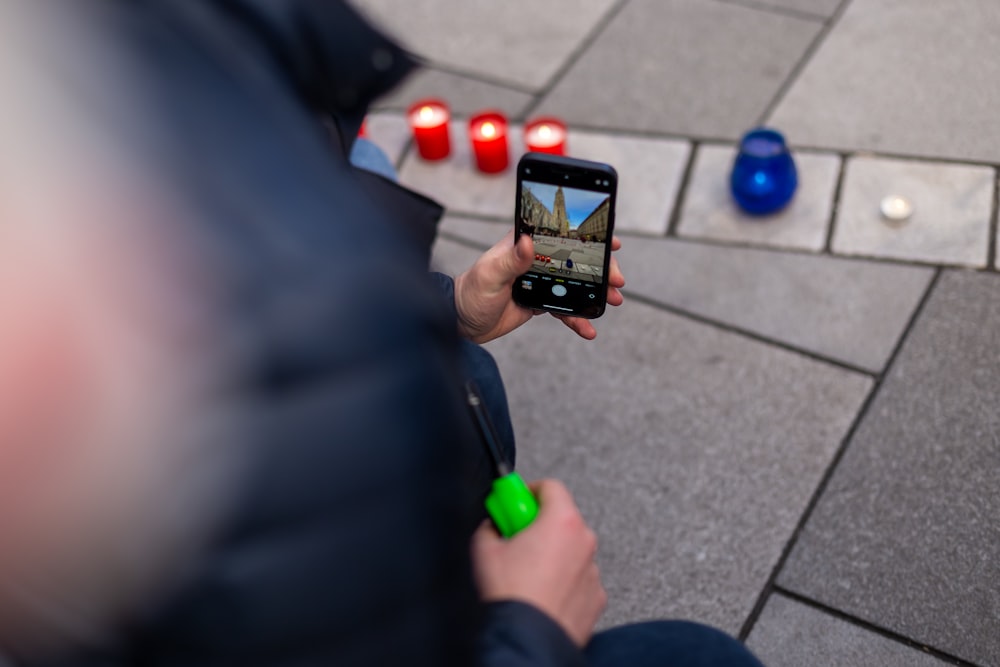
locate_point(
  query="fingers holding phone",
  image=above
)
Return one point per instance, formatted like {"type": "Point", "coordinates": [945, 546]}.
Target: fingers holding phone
{"type": "Point", "coordinates": [616, 279]}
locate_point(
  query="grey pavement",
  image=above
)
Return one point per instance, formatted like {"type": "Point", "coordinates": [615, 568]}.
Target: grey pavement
{"type": "Point", "coordinates": [587, 258]}
{"type": "Point", "coordinates": [952, 210]}
{"type": "Point", "coordinates": [910, 77]}
{"type": "Point", "coordinates": [906, 534]}
{"type": "Point", "coordinates": [678, 54]}
{"type": "Point", "coordinates": [790, 429]}
{"type": "Point", "coordinates": [792, 634]}
{"type": "Point", "coordinates": [465, 96]}
{"type": "Point", "coordinates": [519, 42]}
{"type": "Point", "coordinates": [660, 462]}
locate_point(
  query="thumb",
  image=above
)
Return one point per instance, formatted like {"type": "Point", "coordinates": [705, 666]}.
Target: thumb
{"type": "Point", "coordinates": [485, 537]}
{"type": "Point", "coordinates": [501, 264]}
{"type": "Point", "coordinates": [515, 258]}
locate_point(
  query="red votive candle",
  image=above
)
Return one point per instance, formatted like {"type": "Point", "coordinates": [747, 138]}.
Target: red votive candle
{"type": "Point", "coordinates": [488, 132]}
{"type": "Point", "coordinates": [429, 122]}
{"type": "Point", "coordinates": [546, 135]}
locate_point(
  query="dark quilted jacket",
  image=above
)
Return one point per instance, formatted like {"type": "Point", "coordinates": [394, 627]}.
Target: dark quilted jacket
{"type": "Point", "coordinates": [348, 544]}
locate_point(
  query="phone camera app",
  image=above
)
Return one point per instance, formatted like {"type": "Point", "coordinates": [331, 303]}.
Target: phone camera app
{"type": "Point", "coordinates": [570, 229]}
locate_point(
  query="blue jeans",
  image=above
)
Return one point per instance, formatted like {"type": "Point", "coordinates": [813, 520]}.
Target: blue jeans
{"type": "Point", "coordinates": [651, 644]}
{"type": "Point", "coordinates": [667, 644]}
{"type": "Point", "coordinates": [368, 156]}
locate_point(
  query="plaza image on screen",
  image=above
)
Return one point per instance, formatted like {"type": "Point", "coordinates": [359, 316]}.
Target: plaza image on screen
{"type": "Point", "coordinates": [569, 227]}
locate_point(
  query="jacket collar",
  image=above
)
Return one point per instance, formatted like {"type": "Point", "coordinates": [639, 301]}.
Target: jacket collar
{"type": "Point", "coordinates": [337, 61]}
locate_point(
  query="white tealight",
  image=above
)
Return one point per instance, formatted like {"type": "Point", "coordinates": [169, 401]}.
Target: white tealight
{"type": "Point", "coordinates": [896, 209]}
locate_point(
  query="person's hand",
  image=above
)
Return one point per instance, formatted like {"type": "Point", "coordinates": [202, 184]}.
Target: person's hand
{"type": "Point", "coordinates": [486, 309]}
{"type": "Point", "coordinates": [550, 564]}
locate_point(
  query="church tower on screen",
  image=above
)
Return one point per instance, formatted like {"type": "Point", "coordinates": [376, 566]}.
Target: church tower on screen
{"type": "Point", "coordinates": [559, 213]}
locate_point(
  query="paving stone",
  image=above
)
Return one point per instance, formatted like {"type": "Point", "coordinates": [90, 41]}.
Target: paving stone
{"type": "Point", "coordinates": [457, 184]}
{"type": "Point", "coordinates": [464, 96]}
{"type": "Point", "coordinates": [850, 310]}
{"type": "Point", "coordinates": [692, 451]}
{"type": "Point", "coordinates": [706, 69]}
{"type": "Point", "coordinates": [791, 634]}
{"type": "Point", "coordinates": [452, 258]}
{"type": "Point", "coordinates": [390, 132]}
{"type": "Point", "coordinates": [649, 175]}
{"type": "Point", "coordinates": [710, 212]}
{"type": "Point", "coordinates": [902, 77]}
{"type": "Point", "coordinates": [996, 262]}
{"type": "Point", "coordinates": [952, 208]}
{"type": "Point", "coordinates": [821, 9]}
{"type": "Point", "coordinates": [482, 233]}
{"type": "Point", "coordinates": [518, 41]}
{"type": "Point", "coordinates": [906, 534]}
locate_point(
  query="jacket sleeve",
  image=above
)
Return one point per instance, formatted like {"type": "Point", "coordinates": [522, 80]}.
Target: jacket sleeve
{"type": "Point", "coordinates": [519, 635]}
{"type": "Point", "coordinates": [446, 286]}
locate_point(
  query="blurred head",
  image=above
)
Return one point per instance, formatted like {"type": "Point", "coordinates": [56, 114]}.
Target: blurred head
{"type": "Point", "coordinates": [113, 443]}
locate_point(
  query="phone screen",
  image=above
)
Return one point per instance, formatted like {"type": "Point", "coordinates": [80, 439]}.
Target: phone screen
{"type": "Point", "coordinates": [567, 207]}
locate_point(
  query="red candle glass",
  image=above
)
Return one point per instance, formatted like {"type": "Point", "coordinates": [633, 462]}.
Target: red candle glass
{"type": "Point", "coordinates": [546, 135]}
{"type": "Point", "coordinates": [488, 132]}
{"type": "Point", "coordinates": [429, 122]}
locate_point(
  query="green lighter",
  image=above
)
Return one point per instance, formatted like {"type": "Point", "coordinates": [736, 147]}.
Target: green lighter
{"type": "Point", "coordinates": [510, 504]}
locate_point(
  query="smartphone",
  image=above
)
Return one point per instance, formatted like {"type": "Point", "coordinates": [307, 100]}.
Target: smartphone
{"type": "Point", "coordinates": [568, 207]}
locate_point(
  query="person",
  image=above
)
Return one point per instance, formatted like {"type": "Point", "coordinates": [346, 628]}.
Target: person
{"type": "Point", "coordinates": [250, 275]}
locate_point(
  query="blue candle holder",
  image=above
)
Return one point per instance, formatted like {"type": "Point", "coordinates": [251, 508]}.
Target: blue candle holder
{"type": "Point", "coordinates": [764, 177]}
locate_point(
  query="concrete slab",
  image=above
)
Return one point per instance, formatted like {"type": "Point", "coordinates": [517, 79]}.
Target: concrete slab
{"type": "Point", "coordinates": [952, 209]}
{"type": "Point", "coordinates": [906, 534]}
{"type": "Point", "coordinates": [791, 634]}
{"type": "Point", "coordinates": [518, 41]}
{"type": "Point", "coordinates": [654, 426]}
{"type": "Point", "coordinates": [390, 132]}
{"type": "Point", "coordinates": [452, 258]}
{"type": "Point", "coordinates": [709, 210]}
{"type": "Point", "coordinates": [820, 9]}
{"type": "Point", "coordinates": [849, 310]}
{"type": "Point", "coordinates": [649, 175]}
{"type": "Point", "coordinates": [482, 233]}
{"type": "Point", "coordinates": [996, 261]}
{"type": "Point", "coordinates": [902, 77]}
{"type": "Point", "coordinates": [674, 66]}
{"type": "Point", "coordinates": [464, 96]}
{"type": "Point", "coordinates": [457, 184]}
